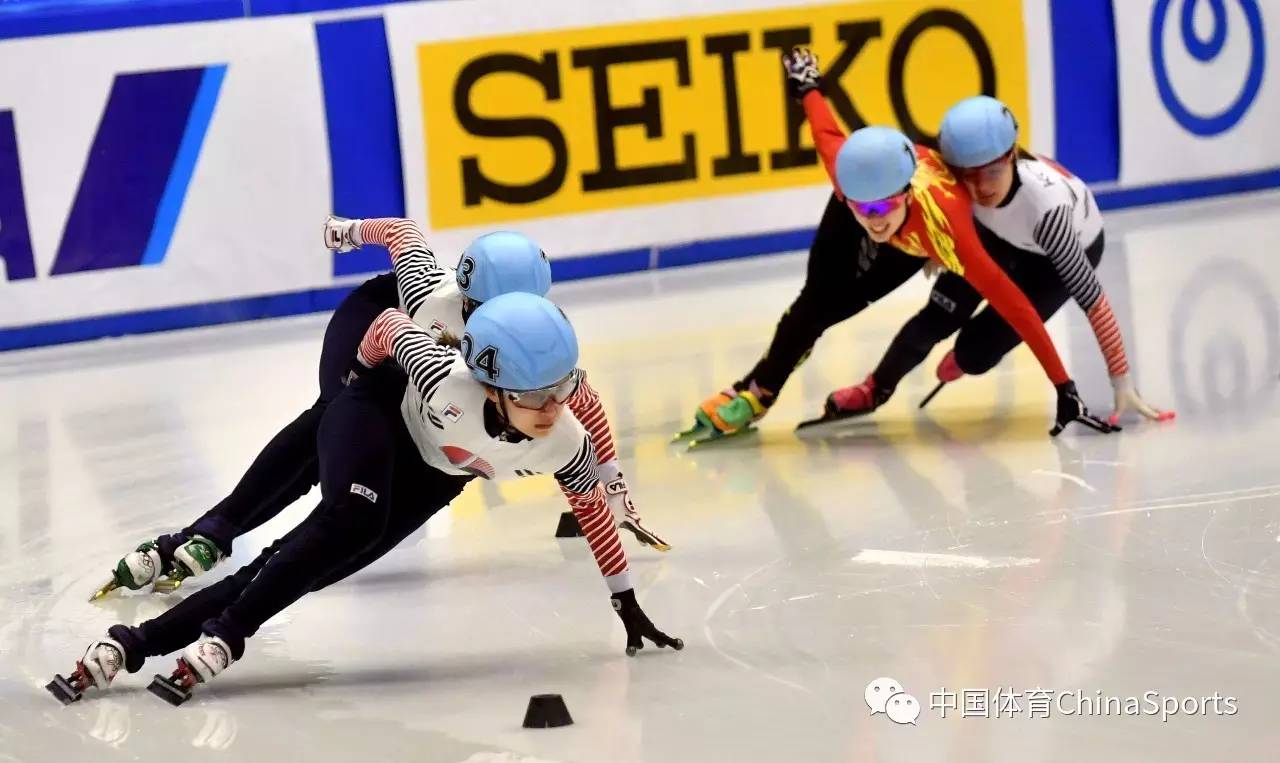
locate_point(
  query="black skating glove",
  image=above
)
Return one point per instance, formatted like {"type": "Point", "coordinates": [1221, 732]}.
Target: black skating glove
{"type": "Point", "coordinates": [638, 624]}
{"type": "Point", "coordinates": [801, 66]}
{"type": "Point", "coordinates": [1071, 409]}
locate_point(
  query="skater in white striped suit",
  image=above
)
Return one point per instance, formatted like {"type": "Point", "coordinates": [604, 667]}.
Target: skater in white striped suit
{"type": "Point", "coordinates": [438, 298]}
{"type": "Point", "coordinates": [393, 452]}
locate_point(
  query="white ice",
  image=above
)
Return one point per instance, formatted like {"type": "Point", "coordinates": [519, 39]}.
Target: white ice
{"type": "Point", "coordinates": [954, 549]}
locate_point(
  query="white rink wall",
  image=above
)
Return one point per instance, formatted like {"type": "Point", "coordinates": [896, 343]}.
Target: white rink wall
{"type": "Point", "coordinates": [175, 175]}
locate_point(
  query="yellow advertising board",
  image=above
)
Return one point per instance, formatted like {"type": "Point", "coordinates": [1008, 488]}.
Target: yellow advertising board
{"type": "Point", "coordinates": [547, 123]}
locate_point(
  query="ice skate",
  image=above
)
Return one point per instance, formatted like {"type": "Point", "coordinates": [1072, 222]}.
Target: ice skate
{"type": "Point", "coordinates": [195, 557]}
{"type": "Point", "coordinates": [643, 534]}
{"type": "Point", "coordinates": [199, 663]}
{"type": "Point", "coordinates": [723, 415]}
{"type": "Point", "coordinates": [102, 660]}
{"type": "Point", "coordinates": [137, 569]}
{"type": "Point", "coordinates": [849, 402]}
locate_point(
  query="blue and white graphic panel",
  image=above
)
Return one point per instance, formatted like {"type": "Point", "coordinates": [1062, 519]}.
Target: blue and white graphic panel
{"type": "Point", "coordinates": [160, 167]}
{"type": "Point", "coordinates": [1197, 99]}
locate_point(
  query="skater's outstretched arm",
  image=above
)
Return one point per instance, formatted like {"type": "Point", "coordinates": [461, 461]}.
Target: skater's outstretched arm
{"type": "Point", "coordinates": [995, 287]}
{"type": "Point", "coordinates": [417, 274]}
{"type": "Point", "coordinates": [1056, 234]}
{"type": "Point", "coordinates": [587, 408]}
{"type": "Point", "coordinates": [581, 486]}
{"type": "Point", "coordinates": [393, 334]}
{"type": "Point", "coordinates": [1011, 304]}
{"type": "Point", "coordinates": [580, 482]}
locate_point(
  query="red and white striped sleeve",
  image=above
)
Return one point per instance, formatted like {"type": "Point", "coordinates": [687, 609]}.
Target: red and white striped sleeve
{"type": "Point", "coordinates": [581, 486]}
{"type": "Point", "coordinates": [586, 407]}
{"type": "Point", "coordinates": [393, 334]}
{"type": "Point", "coordinates": [417, 273]}
{"type": "Point", "coordinates": [1110, 340]}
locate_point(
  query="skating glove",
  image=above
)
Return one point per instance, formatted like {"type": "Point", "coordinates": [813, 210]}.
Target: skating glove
{"type": "Point", "coordinates": [1071, 408]}
{"type": "Point", "coordinates": [801, 66]}
{"type": "Point", "coordinates": [1127, 397]}
{"type": "Point", "coordinates": [616, 493]}
{"type": "Point", "coordinates": [638, 624]}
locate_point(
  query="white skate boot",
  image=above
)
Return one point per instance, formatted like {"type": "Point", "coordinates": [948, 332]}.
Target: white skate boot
{"type": "Point", "coordinates": [199, 663]}
{"type": "Point", "coordinates": [101, 662]}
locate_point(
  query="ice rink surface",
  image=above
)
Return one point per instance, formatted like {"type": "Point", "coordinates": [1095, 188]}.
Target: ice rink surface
{"type": "Point", "coordinates": [954, 550]}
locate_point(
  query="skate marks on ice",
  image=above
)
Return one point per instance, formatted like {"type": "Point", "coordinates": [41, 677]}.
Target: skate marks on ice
{"type": "Point", "coordinates": [924, 559]}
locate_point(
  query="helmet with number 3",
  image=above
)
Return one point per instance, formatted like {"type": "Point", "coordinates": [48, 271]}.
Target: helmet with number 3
{"type": "Point", "coordinates": [519, 342]}
{"type": "Point", "coordinates": [501, 262]}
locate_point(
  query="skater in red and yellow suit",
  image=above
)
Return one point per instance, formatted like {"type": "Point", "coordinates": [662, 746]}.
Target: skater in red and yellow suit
{"type": "Point", "coordinates": [909, 205]}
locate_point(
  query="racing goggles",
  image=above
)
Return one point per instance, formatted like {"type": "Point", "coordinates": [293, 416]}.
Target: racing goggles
{"type": "Point", "coordinates": [989, 171]}
{"type": "Point", "coordinates": [536, 399]}
{"type": "Point", "coordinates": [880, 207]}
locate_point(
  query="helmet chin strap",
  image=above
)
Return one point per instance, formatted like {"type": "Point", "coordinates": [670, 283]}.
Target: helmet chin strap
{"type": "Point", "coordinates": [502, 411]}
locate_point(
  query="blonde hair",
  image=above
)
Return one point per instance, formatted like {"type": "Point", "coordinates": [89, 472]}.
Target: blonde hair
{"type": "Point", "coordinates": [449, 339]}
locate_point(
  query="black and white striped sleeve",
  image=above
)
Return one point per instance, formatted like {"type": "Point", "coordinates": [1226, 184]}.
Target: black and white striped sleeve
{"type": "Point", "coordinates": [416, 284]}
{"type": "Point", "coordinates": [417, 273]}
{"type": "Point", "coordinates": [1056, 234]}
{"type": "Point", "coordinates": [426, 361]}
{"type": "Point", "coordinates": [579, 476]}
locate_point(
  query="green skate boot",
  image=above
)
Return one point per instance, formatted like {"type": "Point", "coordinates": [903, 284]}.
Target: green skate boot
{"type": "Point", "coordinates": [195, 557]}
{"type": "Point", "coordinates": [138, 568]}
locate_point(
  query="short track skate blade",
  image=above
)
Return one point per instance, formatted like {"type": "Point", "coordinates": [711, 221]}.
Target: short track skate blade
{"type": "Point", "coordinates": [107, 588]}
{"type": "Point", "coordinates": [932, 394]}
{"type": "Point", "coordinates": [167, 584]}
{"type": "Point", "coordinates": [62, 690]}
{"type": "Point", "coordinates": [646, 538]}
{"type": "Point", "coordinates": [696, 430]}
{"type": "Point", "coordinates": [168, 691]}
{"type": "Point", "coordinates": [715, 435]}
{"type": "Point", "coordinates": [830, 418]}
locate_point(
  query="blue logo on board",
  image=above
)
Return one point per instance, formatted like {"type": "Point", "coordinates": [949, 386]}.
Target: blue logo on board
{"type": "Point", "coordinates": [1205, 50]}
{"type": "Point", "coordinates": [134, 181]}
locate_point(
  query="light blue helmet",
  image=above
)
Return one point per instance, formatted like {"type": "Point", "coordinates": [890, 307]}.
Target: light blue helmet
{"type": "Point", "coordinates": [519, 342]}
{"type": "Point", "coordinates": [977, 131]}
{"type": "Point", "coordinates": [875, 163]}
{"type": "Point", "coordinates": [501, 262]}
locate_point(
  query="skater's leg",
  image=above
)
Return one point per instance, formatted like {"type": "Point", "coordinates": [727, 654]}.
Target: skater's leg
{"type": "Point", "coordinates": [986, 339]}
{"type": "Point", "coordinates": [287, 467]}
{"type": "Point", "coordinates": [357, 454]}
{"type": "Point", "coordinates": [283, 472]}
{"type": "Point", "coordinates": [180, 624]}
{"type": "Point", "coordinates": [846, 272]}
{"type": "Point", "coordinates": [951, 302]}
{"type": "Point", "coordinates": [347, 327]}
{"type": "Point", "coordinates": [418, 492]}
